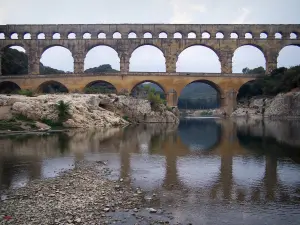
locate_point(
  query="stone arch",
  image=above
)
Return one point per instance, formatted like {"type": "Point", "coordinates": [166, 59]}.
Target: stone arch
{"type": "Point", "coordinates": [245, 91]}
{"type": "Point", "coordinates": [292, 50]}
{"type": "Point", "coordinates": [293, 35]}
{"type": "Point", "coordinates": [278, 35]}
{"type": "Point", "coordinates": [26, 36]}
{"type": "Point", "coordinates": [192, 35]}
{"type": "Point", "coordinates": [163, 35]}
{"type": "Point", "coordinates": [52, 86]}
{"type": "Point", "coordinates": [261, 50]}
{"type": "Point", "coordinates": [219, 35]}
{"type": "Point", "coordinates": [132, 51]}
{"type": "Point", "coordinates": [263, 35]}
{"type": "Point", "coordinates": [65, 47]}
{"type": "Point", "coordinates": [41, 35]}
{"type": "Point", "coordinates": [234, 35]}
{"type": "Point", "coordinates": [147, 35]}
{"type": "Point", "coordinates": [117, 35]}
{"type": "Point", "coordinates": [56, 35]}
{"type": "Point", "coordinates": [2, 35]}
{"type": "Point", "coordinates": [248, 35]}
{"type": "Point", "coordinates": [8, 87]}
{"type": "Point", "coordinates": [177, 35]}
{"type": "Point", "coordinates": [19, 44]}
{"type": "Point", "coordinates": [100, 86]}
{"type": "Point", "coordinates": [14, 35]}
{"type": "Point", "coordinates": [101, 35]}
{"type": "Point", "coordinates": [92, 48]}
{"type": "Point", "coordinates": [215, 57]}
{"type": "Point", "coordinates": [216, 87]}
{"type": "Point", "coordinates": [71, 35]}
{"type": "Point", "coordinates": [87, 35]}
{"type": "Point", "coordinates": [150, 81]}
{"type": "Point", "coordinates": [132, 35]}
{"type": "Point", "coordinates": [205, 35]}
{"type": "Point", "coordinates": [14, 66]}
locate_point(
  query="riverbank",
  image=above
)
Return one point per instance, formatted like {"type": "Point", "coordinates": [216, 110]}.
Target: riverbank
{"type": "Point", "coordinates": [18, 112]}
{"type": "Point", "coordinates": [283, 105]}
{"type": "Point", "coordinates": [83, 195]}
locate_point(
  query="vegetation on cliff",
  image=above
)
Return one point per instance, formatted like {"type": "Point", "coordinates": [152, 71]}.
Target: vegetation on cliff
{"type": "Point", "coordinates": [280, 80]}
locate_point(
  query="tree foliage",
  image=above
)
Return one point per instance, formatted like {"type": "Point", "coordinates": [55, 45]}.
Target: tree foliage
{"type": "Point", "coordinates": [63, 110]}
{"type": "Point", "coordinates": [280, 80]}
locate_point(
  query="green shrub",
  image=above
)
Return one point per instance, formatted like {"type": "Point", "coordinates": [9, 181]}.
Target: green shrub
{"type": "Point", "coordinates": [126, 118]}
{"type": "Point", "coordinates": [155, 100]}
{"type": "Point", "coordinates": [63, 109]}
{"type": "Point", "coordinates": [52, 123]}
{"type": "Point", "coordinates": [25, 92]}
{"type": "Point", "coordinates": [206, 113]}
{"type": "Point", "coordinates": [22, 118]}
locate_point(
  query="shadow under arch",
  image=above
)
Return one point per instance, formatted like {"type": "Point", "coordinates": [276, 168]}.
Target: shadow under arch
{"type": "Point", "coordinates": [213, 85]}
{"type": "Point", "coordinates": [52, 86]}
{"type": "Point", "coordinates": [148, 81]}
{"type": "Point", "coordinates": [8, 87]}
{"type": "Point", "coordinates": [200, 134]}
{"type": "Point", "coordinates": [100, 86]}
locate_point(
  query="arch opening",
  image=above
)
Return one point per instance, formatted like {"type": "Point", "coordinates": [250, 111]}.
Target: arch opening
{"type": "Point", "coordinates": [101, 59]}
{"type": "Point", "coordinates": [147, 35]}
{"type": "Point", "coordinates": [87, 35]}
{"type": "Point", "coordinates": [263, 35]}
{"type": "Point", "coordinates": [293, 35]}
{"type": "Point", "coordinates": [52, 87]}
{"type": "Point", "coordinates": [8, 87]}
{"type": "Point", "coordinates": [205, 35]}
{"type": "Point", "coordinates": [234, 35]}
{"type": "Point", "coordinates": [289, 56]}
{"type": "Point", "coordinates": [56, 36]}
{"type": "Point", "coordinates": [248, 35]}
{"type": "Point", "coordinates": [198, 58]}
{"type": "Point", "coordinates": [100, 86]}
{"type": "Point", "coordinates": [2, 35]}
{"type": "Point", "coordinates": [101, 35]}
{"type": "Point", "coordinates": [192, 35]}
{"type": "Point", "coordinates": [132, 35]}
{"type": "Point", "coordinates": [147, 58]}
{"type": "Point", "coordinates": [248, 90]}
{"type": "Point", "coordinates": [27, 36]}
{"type": "Point", "coordinates": [246, 58]}
{"type": "Point", "coordinates": [163, 35]}
{"type": "Point", "coordinates": [14, 61]}
{"type": "Point", "coordinates": [71, 35]}
{"type": "Point", "coordinates": [200, 95]}
{"type": "Point", "coordinates": [41, 36]}
{"type": "Point", "coordinates": [219, 35]}
{"type": "Point", "coordinates": [50, 64]}
{"type": "Point", "coordinates": [278, 35]}
{"type": "Point", "coordinates": [117, 35]}
{"type": "Point", "coordinates": [14, 36]}
{"type": "Point", "coordinates": [151, 91]}
{"type": "Point", "coordinates": [177, 35]}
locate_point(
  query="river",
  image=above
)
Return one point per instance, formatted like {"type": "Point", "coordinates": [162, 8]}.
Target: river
{"type": "Point", "coordinates": [204, 171]}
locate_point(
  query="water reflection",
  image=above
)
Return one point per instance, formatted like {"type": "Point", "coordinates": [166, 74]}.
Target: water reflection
{"type": "Point", "coordinates": [200, 161]}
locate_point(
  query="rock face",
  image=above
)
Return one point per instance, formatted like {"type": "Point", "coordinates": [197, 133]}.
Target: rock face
{"type": "Point", "coordinates": [283, 105]}
{"type": "Point", "coordinates": [86, 110]}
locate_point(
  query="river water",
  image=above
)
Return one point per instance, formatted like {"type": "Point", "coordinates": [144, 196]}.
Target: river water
{"type": "Point", "coordinates": [204, 171]}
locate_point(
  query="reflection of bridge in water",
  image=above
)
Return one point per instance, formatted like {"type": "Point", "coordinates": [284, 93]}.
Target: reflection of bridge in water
{"type": "Point", "coordinates": [158, 158]}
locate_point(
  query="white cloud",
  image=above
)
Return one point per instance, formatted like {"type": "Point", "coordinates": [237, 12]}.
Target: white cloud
{"type": "Point", "coordinates": [183, 11]}
{"type": "Point", "coordinates": [243, 16]}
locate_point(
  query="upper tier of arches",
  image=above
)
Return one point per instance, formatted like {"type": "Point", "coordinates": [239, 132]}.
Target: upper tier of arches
{"type": "Point", "coordinates": [203, 31]}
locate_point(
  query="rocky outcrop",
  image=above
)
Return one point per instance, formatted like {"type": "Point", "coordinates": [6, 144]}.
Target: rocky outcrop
{"type": "Point", "coordinates": [86, 110]}
{"type": "Point", "coordinates": [285, 105]}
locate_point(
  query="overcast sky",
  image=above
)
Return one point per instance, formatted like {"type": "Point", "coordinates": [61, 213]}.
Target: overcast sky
{"type": "Point", "coordinates": [195, 59]}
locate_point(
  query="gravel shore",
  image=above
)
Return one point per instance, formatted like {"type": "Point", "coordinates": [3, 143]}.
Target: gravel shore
{"type": "Point", "coordinates": [83, 195]}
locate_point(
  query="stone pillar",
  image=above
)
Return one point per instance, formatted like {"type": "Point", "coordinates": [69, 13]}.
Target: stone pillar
{"type": "Point", "coordinates": [225, 57]}
{"type": "Point", "coordinates": [172, 99]}
{"type": "Point", "coordinates": [124, 63]}
{"type": "Point", "coordinates": [78, 63]}
{"type": "Point", "coordinates": [228, 101]}
{"type": "Point", "coordinates": [271, 61]}
{"type": "Point", "coordinates": [171, 63]}
{"type": "Point", "coordinates": [33, 61]}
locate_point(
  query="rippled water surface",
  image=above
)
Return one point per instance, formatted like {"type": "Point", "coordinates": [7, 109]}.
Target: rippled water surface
{"type": "Point", "coordinates": [205, 171]}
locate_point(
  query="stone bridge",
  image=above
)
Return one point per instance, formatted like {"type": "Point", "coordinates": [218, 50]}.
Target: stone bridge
{"type": "Point", "coordinates": [171, 39]}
